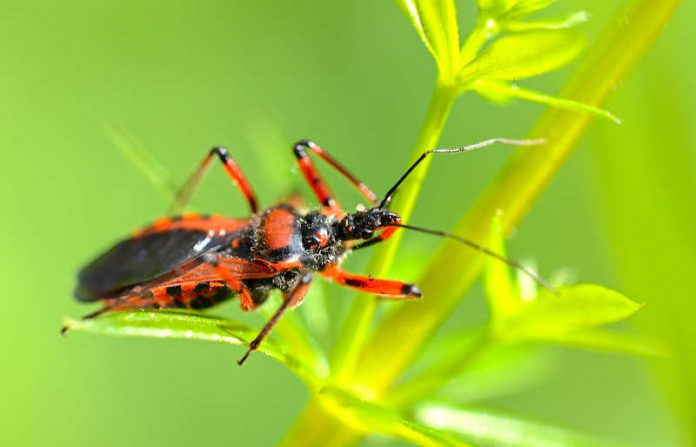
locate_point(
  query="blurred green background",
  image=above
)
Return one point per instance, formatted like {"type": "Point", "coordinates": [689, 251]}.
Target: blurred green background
{"type": "Point", "coordinates": [257, 76]}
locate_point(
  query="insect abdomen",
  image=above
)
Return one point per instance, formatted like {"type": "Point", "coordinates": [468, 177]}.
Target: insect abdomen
{"type": "Point", "coordinates": [188, 296]}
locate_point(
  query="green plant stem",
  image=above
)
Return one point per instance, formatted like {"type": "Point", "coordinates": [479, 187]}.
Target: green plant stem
{"type": "Point", "coordinates": [319, 427]}
{"type": "Point", "coordinates": [402, 334]}
{"type": "Point", "coordinates": [476, 40]}
{"type": "Point", "coordinates": [356, 329]}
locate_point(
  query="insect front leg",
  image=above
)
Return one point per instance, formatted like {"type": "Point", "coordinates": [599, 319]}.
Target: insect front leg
{"type": "Point", "coordinates": [387, 288]}
{"type": "Point", "coordinates": [232, 169]}
{"type": "Point", "coordinates": [317, 183]}
{"type": "Point", "coordinates": [290, 300]}
{"type": "Point", "coordinates": [301, 150]}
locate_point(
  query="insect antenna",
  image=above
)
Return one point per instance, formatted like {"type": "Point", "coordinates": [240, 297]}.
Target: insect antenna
{"type": "Point", "coordinates": [390, 194]}
{"type": "Point", "coordinates": [514, 264]}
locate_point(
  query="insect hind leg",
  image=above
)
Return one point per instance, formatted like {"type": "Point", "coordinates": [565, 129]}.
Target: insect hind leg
{"type": "Point", "coordinates": [233, 171]}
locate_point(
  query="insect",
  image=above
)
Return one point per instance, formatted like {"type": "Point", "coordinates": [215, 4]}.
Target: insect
{"type": "Point", "coordinates": [197, 261]}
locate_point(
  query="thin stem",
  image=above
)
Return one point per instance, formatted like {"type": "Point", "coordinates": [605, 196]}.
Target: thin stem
{"type": "Point", "coordinates": [315, 425]}
{"type": "Point", "coordinates": [355, 331]}
{"type": "Point", "coordinates": [318, 427]}
{"type": "Point", "coordinates": [514, 191]}
{"type": "Point", "coordinates": [402, 334]}
{"type": "Point", "coordinates": [476, 40]}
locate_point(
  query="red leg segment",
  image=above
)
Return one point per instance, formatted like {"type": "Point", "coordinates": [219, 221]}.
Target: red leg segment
{"type": "Point", "coordinates": [318, 185]}
{"type": "Point", "coordinates": [233, 170]}
{"type": "Point", "coordinates": [290, 300]}
{"type": "Point", "coordinates": [383, 287]}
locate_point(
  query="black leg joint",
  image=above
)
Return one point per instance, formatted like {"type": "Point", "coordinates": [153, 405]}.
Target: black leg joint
{"type": "Point", "coordinates": [221, 152]}
{"type": "Point", "coordinates": [299, 150]}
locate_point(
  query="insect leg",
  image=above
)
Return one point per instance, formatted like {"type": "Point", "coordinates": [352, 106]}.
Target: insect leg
{"type": "Point", "coordinates": [387, 288]}
{"type": "Point", "coordinates": [290, 299]}
{"type": "Point", "coordinates": [235, 173]}
{"type": "Point", "coordinates": [321, 190]}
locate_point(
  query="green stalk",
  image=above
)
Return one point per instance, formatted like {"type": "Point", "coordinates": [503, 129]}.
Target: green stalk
{"type": "Point", "coordinates": [355, 331]}
{"type": "Point", "coordinates": [402, 334]}
{"type": "Point", "coordinates": [318, 427]}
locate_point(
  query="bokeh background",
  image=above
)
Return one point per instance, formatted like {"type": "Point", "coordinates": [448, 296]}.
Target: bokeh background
{"type": "Point", "coordinates": [256, 76]}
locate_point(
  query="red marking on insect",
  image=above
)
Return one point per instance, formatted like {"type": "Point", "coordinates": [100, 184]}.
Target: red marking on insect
{"type": "Point", "coordinates": [194, 261]}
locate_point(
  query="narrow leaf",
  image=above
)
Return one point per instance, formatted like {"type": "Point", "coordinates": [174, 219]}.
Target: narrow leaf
{"type": "Point", "coordinates": [373, 418]}
{"type": "Point", "coordinates": [409, 8]}
{"type": "Point", "coordinates": [489, 428]}
{"type": "Point", "coordinates": [502, 293]}
{"type": "Point", "coordinates": [501, 91]}
{"type": "Point", "coordinates": [482, 369]}
{"type": "Point", "coordinates": [518, 9]}
{"type": "Point", "coordinates": [436, 24]}
{"type": "Point", "coordinates": [576, 307]}
{"type": "Point", "coordinates": [177, 324]}
{"type": "Point", "coordinates": [505, 369]}
{"type": "Point", "coordinates": [610, 341]}
{"type": "Point", "coordinates": [523, 55]}
{"type": "Point", "coordinates": [566, 22]}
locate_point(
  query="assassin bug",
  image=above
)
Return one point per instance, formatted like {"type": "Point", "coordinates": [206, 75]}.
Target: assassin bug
{"type": "Point", "coordinates": [196, 261]}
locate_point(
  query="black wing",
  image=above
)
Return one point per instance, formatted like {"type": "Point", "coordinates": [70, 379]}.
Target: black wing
{"type": "Point", "coordinates": [134, 261]}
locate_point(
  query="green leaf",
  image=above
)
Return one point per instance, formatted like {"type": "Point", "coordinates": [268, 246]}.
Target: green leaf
{"type": "Point", "coordinates": [502, 91]}
{"type": "Point", "coordinates": [480, 369]}
{"type": "Point", "coordinates": [136, 152]}
{"type": "Point", "coordinates": [488, 428]}
{"type": "Point", "coordinates": [435, 22]}
{"type": "Point", "coordinates": [523, 55]}
{"type": "Point", "coordinates": [178, 324]}
{"type": "Point", "coordinates": [577, 307]}
{"type": "Point", "coordinates": [503, 370]}
{"type": "Point", "coordinates": [566, 22]}
{"type": "Point", "coordinates": [485, 5]}
{"type": "Point", "coordinates": [372, 418]}
{"type": "Point", "coordinates": [610, 341]}
{"type": "Point", "coordinates": [517, 9]}
{"type": "Point", "coordinates": [502, 293]}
